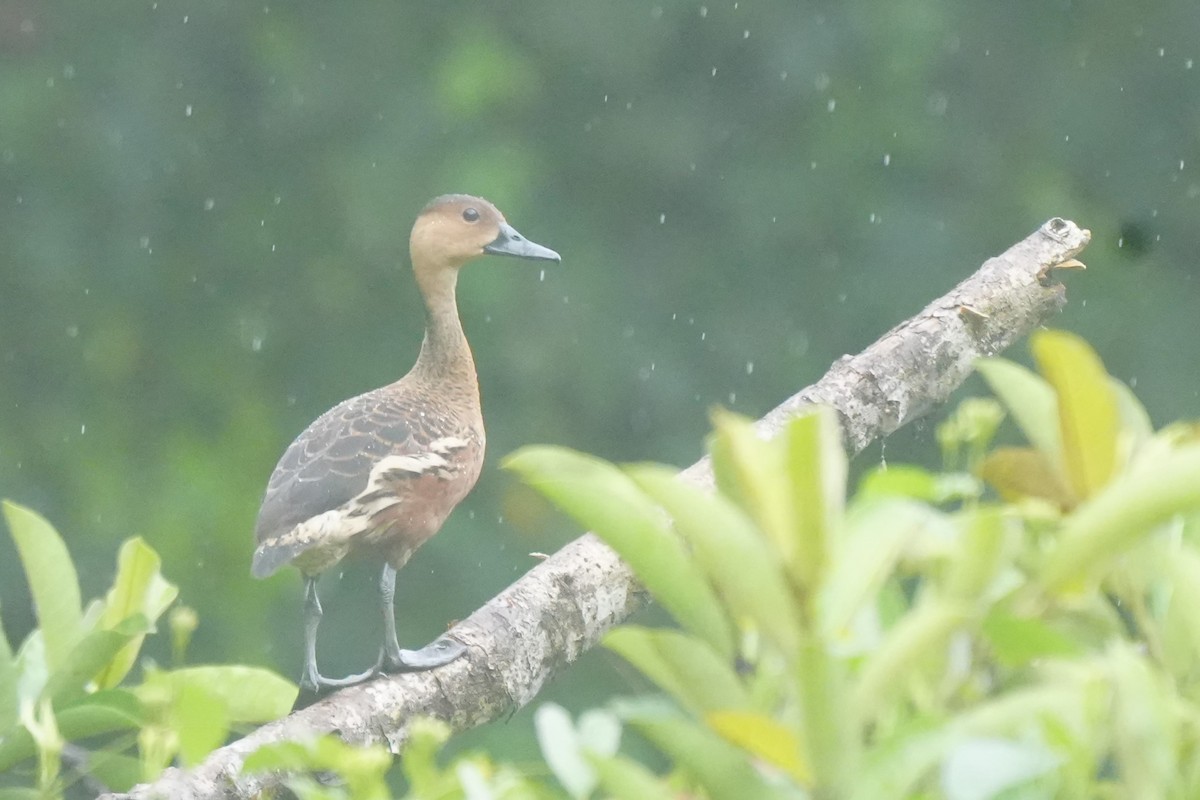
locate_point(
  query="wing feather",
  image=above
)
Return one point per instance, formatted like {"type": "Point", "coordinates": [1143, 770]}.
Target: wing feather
{"type": "Point", "coordinates": [330, 462]}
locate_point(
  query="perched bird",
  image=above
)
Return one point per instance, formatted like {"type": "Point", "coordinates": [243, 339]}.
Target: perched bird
{"type": "Point", "coordinates": [379, 473]}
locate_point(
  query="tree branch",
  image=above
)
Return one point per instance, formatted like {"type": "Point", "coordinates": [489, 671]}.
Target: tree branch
{"type": "Point", "coordinates": [562, 607]}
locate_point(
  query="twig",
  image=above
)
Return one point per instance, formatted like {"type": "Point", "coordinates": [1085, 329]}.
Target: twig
{"type": "Point", "coordinates": [559, 609]}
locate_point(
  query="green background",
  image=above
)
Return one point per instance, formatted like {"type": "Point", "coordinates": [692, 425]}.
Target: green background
{"type": "Point", "coordinates": [204, 211]}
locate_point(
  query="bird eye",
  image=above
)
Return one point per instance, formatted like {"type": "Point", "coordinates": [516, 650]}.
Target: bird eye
{"type": "Point", "coordinates": [471, 215]}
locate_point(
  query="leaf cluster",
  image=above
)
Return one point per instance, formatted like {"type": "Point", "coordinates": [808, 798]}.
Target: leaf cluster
{"type": "Point", "coordinates": [925, 637]}
{"type": "Point", "coordinates": [68, 711]}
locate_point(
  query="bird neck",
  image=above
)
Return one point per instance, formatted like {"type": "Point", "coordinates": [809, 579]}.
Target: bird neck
{"type": "Point", "coordinates": [445, 355]}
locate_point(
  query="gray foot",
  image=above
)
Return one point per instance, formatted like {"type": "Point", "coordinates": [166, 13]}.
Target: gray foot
{"type": "Point", "coordinates": [435, 654]}
{"type": "Point", "coordinates": [313, 681]}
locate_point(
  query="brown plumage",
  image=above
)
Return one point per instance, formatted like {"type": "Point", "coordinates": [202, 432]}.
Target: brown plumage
{"type": "Point", "coordinates": [379, 473]}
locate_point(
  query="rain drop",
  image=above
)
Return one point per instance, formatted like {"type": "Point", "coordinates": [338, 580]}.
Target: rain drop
{"type": "Point", "coordinates": [831, 105]}
{"type": "Point", "coordinates": [749, 367]}
{"type": "Point", "coordinates": [662, 219]}
{"type": "Point", "coordinates": [542, 276]}
{"type": "Point", "coordinates": [187, 110]}
{"type": "Point", "coordinates": [209, 204]}
{"type": "Point", "coordinates": [887, 159]}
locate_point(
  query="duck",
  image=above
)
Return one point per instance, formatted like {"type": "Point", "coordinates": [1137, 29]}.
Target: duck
{"type": "Point", "coordinates": [377, 475]}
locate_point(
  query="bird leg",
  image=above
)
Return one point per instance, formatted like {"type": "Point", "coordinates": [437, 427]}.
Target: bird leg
{"type": "Point", "coordinates": [435, 654]}
{"type": "Point", "coordinates": [312, 680]}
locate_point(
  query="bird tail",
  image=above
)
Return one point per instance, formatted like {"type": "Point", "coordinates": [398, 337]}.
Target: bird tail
{"type": "Point", "coordinates": [272, 555]}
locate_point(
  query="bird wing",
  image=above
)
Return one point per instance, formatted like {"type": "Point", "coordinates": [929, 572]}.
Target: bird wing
{"type": "Point", "coordinates": [331, 461]}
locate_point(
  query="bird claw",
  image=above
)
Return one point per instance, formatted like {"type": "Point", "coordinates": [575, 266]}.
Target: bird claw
{"type": "Point", "coordinates": [435, 654]}
{"type": "Point", "coordinates": [315, 682]}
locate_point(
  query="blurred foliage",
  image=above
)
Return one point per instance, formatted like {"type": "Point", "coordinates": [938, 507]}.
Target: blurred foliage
{"type": "Point", "coordinates": [204, 209]}
{"type": "Point", "coordinates": [913, 641]}
{"type": "Point", "coordinates": [65, 694]}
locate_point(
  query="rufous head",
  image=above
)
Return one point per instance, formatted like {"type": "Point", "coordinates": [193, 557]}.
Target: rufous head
{"type": "Point", "coordinates": [456, 228]}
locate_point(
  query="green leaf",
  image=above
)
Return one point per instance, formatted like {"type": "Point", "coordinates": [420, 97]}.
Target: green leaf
{"type": "Point", "coordinates": [20, 793]}
{"type": "Point", "coordinates": [563, 750]}
{"type": "Point", "coordinates": [1128, 509]}
{"type": "Point", "coordinates": [731, 550]}
{"type": "Point", "coordinates": [32, 673]}
{"type": "Point", "coordinates": [99, 713]}
{"type": "Point", "coordinates": [878, 534]}
{"type": "Point", "coordinates": [751, 472]}
{"type": "Point", "coordinates": [1145, 723]}
{"type": "Point", "coordinates": [118, 772]}
{"type": "Point", "coordinates": [919, 634]}
{"type": "Point", "coordinates": [1018, 641]}
{"type": "Point", "coordinates": [681, 665]}
{"type": "Point", "coordinates": [361, 768]}
{"type": "Point", "coordinates": [830, 734]}
{"type": "Point", "coordinates": [765, 738]}
{"type": "Point", "coordinates": [1019, 472]}
{"type": "Point", "coordinates": [200, 719]}
{"type": "Point", "coordinates": [602, 498]}
{"type": "Point", "coordinates": [1182, 570]}
{"type": "Point", "coordinates": [894, 765]}
{"type": "Point", "coordinates": [629, 780]}
{"type": "Point", "coordinates": [1030, 400]}
{"type": "Point", "coordinates": [248, 694]}
{"type": "Point", "coordinates": [1135, 420]}
{"type": "Point", "coordinates": [282, 756]}
{"type": "Point", "coordinates": [817, 473]}
{"type": "Point", "coordinates": [721, 768]}
{"type": "Point", "coordinates": [39, 721]}
{"type": "Point", "coordinates": [87, 658]}
{"type": "Point", "coordinates": [1087, 409]}
{"type": "Point", "coordinates": [990, 768]}
{"type": "Point", "coordinates": [899, 480]}
{"type": "Point", "coordinates": [139, 588]}
{"type": "Point", "coordinates": [599, 731]}
{"type": "Point", "coordinates": [52, 581]}
{"type": "Point", "coordinates": [978, 557]}
{"type": "Point", "coordinates": [426, 737]}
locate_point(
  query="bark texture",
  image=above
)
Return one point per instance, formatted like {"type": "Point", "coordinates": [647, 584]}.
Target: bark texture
{"type": "Point", "coordinates": [561, 608]}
